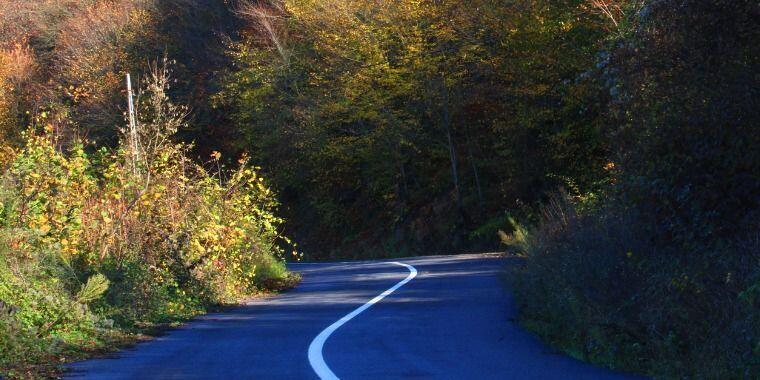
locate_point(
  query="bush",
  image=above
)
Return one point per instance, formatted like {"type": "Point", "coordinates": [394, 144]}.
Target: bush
{"type": "Point", "coordinates": [597, 286]}
{"type": "Point", "coordinates": [661, 274]}
{"type": "Point", "coordinates": [95, 239]}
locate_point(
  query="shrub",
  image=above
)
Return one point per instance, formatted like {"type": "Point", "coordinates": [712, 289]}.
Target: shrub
{"type": "Point", "coordinates": [597, 286]}
{"type": "Point", "coordinates": [660, 276]}
{"type": "Point", "coordinates": [96, 239]}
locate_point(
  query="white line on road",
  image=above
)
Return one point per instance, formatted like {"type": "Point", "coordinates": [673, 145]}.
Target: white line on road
{"type": "Point", "coordinates": [315, 348]}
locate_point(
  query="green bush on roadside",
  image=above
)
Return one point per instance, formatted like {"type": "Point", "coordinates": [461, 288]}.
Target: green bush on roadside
{"type": "Point", "coordinates": [94, 242]}
{"type": "Point", "coordinates": [660, 274]}
{"type": "Point", "coordinates": [595, 286]}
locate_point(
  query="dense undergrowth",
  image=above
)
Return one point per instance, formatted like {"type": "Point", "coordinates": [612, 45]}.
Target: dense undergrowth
{"type": "Point", "coordinates": [96, 243]}
{"type": "Point", "coordinates": [597, 286]}
{"type": "Point", "coordinates": [659, 270]}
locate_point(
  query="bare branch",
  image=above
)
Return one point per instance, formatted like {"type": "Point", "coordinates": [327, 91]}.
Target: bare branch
{"type": "Point", "coordinates": [269, 20]}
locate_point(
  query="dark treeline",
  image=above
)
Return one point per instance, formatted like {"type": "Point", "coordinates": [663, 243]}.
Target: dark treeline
{"type": "Point", "coordinates": [409, 127]}
{"type": "Point", "coordinates": [420, 127]}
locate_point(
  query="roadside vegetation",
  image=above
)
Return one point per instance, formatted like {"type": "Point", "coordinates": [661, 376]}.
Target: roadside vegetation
{"type": "Point", "coordinates": [611, 143]}
{"type": "Point", "coordinates": [102, 242]}
{"type": "Point", "coordinates": [658, 271]}
{"type": "Point", "coordinates": [108, 232]}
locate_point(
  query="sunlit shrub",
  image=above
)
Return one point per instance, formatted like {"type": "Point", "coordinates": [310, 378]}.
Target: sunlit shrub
{"type": "Point", "coordinates": [134, 236]}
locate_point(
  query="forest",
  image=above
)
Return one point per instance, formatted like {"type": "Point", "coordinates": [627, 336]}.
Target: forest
{"type": "Point", "coordinates": [610, 144]}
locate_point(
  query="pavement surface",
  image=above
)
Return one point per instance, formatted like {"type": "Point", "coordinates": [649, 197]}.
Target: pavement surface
{"type": "Point", "coordinates": [449, 320]}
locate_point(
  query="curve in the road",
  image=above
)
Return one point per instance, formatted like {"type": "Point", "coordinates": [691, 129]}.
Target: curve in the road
{"type": "Point", "coordinates": [316, 359]}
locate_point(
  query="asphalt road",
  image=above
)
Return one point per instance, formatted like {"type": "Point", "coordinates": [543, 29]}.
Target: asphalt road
{"type": "Point", "coordinates": [449, 320]}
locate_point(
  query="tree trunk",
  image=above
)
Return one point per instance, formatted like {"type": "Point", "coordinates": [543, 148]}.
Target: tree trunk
{"type": "Point", "coordinates": [475, 171]}
{"type": "Point", "coordinates": [404, 182]}
{"type": "Point", "coordinates": [452, 149]}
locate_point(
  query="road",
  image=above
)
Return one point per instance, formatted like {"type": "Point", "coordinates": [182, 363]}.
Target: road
{"type": "Point", "coordinates": [449, 320]}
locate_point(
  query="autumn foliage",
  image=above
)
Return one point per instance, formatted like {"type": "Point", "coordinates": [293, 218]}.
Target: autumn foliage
{"type": "Point", "coordinates": [169, 235]}
{"type": "Point", "coordinates": [422, 127]}
{"type": "Point", "coordinates": [611, 143]}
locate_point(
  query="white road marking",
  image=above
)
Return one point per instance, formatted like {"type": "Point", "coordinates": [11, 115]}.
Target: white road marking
{"type": "Point", "coordinates": [315, 348]}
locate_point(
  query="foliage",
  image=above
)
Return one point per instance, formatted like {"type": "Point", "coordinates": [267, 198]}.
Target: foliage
{"type": "Point", "coordinates": [686, 95]}
{"type": "Point", "coordinates": [414, 122]}
{"type": "Point", "coordinates": [15, 66]}
{"type": "Point", "coordinates": [389, 128]}
{"type": "Point", "coordinates": [75, 54]}
{"type": "Point", "coordinates": [658, 273]}
{"type": "Point", "coordinates": [94, 239]}
{"type": "Point", "coordinates": [599, 287]}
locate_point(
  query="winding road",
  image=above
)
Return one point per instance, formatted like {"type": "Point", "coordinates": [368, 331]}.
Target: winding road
{"type": "Point", "coordinates": [434, 317]}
